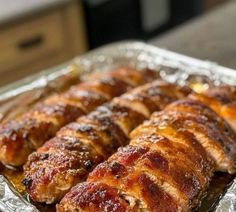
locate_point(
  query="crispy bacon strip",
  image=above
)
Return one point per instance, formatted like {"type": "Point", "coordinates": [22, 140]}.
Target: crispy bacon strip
{"type": "Point", "coordinates": [77, 148]}
{"type": "Point", "coordinates": [166, 167]}
{"type": "Point", "coordinates": [18, 138]}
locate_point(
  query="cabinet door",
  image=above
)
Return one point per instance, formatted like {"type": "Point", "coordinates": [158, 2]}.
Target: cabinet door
{"type": "Point", "coordinates": [40, 41]}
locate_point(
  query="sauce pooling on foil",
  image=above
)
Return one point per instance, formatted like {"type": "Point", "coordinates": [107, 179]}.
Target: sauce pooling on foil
{"type": "Point", "coordinates": [15, 177]}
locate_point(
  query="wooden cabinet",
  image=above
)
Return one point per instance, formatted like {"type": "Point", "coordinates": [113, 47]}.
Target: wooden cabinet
{"type": "Point", "coordinates": [42, 40]}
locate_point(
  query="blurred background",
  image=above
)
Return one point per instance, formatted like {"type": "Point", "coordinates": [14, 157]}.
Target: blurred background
{"type": "Point", "coordinates": [39, 34]}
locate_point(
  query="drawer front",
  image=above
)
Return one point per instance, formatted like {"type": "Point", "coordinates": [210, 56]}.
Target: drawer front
{"type": "Point", "coordinates": [25, 42]}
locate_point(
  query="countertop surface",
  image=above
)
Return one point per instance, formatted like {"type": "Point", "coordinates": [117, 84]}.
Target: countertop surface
{"type": "Point", "coordinates": [209, 37]}
{"type": "Point", "coordinates": [11, 10]}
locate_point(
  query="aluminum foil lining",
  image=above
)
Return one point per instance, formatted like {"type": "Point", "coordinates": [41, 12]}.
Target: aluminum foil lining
{"type": "Point", "coordinates": [10, 201]}
{"type": "Point", "coordinates": [228, 200]}
{"type": "Point", "coordinates": [171, 66]}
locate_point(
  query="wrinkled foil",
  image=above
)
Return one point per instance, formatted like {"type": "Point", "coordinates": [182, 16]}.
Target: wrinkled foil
{"type": "Point", "coordinates": [171, 66]}
{"type": "Point", "coordinates": [228, 200]}
{"type": "Point", "coordinates": [10, 201]}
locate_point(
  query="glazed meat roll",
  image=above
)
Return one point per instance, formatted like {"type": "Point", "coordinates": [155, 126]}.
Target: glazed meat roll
{"type": "Point", "coordinates": [77, 148]}
{"type": "Point", "coordinates": [18, 138]}
{"type": "Point", "coordinates": [166, 167]}
{"type": "Point", "coordinates": [222, 99]}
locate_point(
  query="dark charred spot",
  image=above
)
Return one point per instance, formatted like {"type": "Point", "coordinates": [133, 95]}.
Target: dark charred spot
{"type": "Point", "coordinates": [108, 133]}
{"type": "Point", "coordinates": [88, 164]}
{"type": "Point", "coordinates": [27, 182]}
{"type": "Point", "coordinates": [227, 148]}
{"type": "Point", "coordinates": [220, 140]}
{"type": "Point", "coordinates": [152, 188]}
{"type": "Point", "coordinates": [116, 169]}
{"type": "Point", "coordinates": [44, 156]}
{"type": "Point", "coordinates": [226, 130]}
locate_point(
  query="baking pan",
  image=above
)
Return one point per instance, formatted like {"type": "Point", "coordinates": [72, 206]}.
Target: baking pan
{"type": "Point", "coordinates": [173, 67]}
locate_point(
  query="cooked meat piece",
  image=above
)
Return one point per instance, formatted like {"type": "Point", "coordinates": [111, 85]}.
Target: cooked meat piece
{"type": "Point", "coordinates": [228, 112]}
{"type": "Point", "coordinates": [166, 167]}
{"type": "Point", "coordinates": [212, 131]}
{"type": "Point", "coordinates": [222, 99]}
{"type": "Point", "coordinates": [18, 138]}
{"type": "Point", "coordinates": [97, 197]}
{"type": "Point", "coordinates": [160, 96]}
{"type": "Point", "coordinates": [80, 146]}
{"type": "Point", "coordinates": [224, 93]}
{"type": "Point", "coordinates": [130, 77]}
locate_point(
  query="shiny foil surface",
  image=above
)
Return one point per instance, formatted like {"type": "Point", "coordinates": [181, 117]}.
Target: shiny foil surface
{"type": "Point", "coordinates": [228, 200]}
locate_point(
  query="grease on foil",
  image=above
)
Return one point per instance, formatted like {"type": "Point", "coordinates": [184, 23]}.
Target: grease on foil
{"type": "Point", "coordinates": [171, 67]}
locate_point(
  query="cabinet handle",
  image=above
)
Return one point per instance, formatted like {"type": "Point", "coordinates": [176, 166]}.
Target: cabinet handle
{"type": "Point", "coordinates": [30, 43]}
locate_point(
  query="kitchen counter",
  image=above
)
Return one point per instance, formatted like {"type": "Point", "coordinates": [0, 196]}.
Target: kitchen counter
{"type": "Point", "coordinates": [209, 37]}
